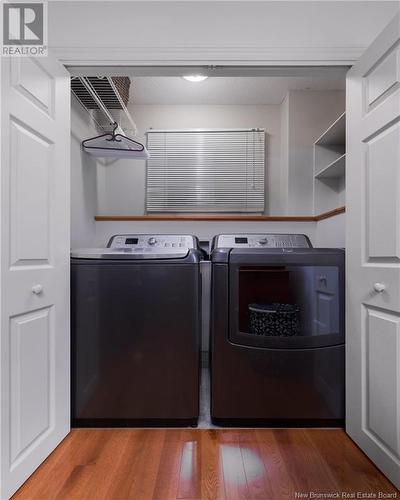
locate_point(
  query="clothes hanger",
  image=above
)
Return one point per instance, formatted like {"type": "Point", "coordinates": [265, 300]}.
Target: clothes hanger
{"type": "Point", "coordinates": [115, 145]}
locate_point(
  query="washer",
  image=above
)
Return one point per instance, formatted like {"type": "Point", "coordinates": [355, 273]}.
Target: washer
{"type": "Point", "coordinates": [275, 379]}
{"type": "Point", "coordinates": [136, 332]}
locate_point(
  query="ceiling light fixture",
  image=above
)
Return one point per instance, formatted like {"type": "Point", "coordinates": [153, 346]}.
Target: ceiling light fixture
{"type": "Point", "coordinates": [195, 78]}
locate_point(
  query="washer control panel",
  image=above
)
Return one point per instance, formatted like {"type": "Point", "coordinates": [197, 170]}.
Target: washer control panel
{"type": "Point", "coordinates": [262, 241]}
{"type": "Point", "coordinates": [158, 243]}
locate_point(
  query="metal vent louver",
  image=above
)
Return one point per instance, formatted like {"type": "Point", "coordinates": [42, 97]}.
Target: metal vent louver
{"type": "Point", "coordinates": [113, 91]}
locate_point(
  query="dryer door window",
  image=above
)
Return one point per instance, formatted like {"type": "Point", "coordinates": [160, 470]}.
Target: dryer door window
{"type": "Point", "coordinates": [295, 305]}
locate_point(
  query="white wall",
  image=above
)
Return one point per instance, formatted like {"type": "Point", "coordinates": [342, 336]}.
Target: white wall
{"type": "Point", "coordinates": [324, 234]}
{"type": "Point", "coordinates": [123, 192]}
{"type": "Point", "coordinates": [204, 230]}
{"type": "Point", "coordinates": [291, 130]}
{"type": "Point", "coordinates": [124, 184]}
{"type": "Point", "coordinates": [284, 170]}
{"type": "Point", "coordinates": [222, 29]}
{"type": "Point", "coordinates": [307, 114]}
{"type": "Point", "coordinates": [83, 180]}
{"type": "Point", "coordinates": [331, 232]}
{"type": "Point", "coordinates": [119, 188]}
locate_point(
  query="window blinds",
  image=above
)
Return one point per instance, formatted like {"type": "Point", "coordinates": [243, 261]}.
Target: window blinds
{"type": "Point", "coordinates": [205, 171]}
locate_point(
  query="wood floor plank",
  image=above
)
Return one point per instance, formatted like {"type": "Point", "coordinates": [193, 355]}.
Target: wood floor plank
{"type": "Point", "coordinates": [46, 482]}
{"type": "Point", "coordinates": [189, 486]}
{"type": "Point", "coordinates": [212, 480]}
{"type": "Point", "coordinates": [213, 464]}
{"type": "Point", "coordinates": [278, 476]}
{"type": "Point", "coordinates": [92, 460]}
{"type": "Point", "coordinates": [114, 475]}
{"type": "Point", "coordinates": [140, 468]}
{"type": "Point", "coordinates": [353, 469]}
{"type": "Point", "coordinates": [147, 470]}
{"type": "Point", "coordinates": [303, 462]}
{"type": "Point", "coordinates": [306, 463]}
{"type": "Point", "coordinates": [256, 474]}
{"type": "Point", "coordinates": [167, 480]}
{"type": "Point", "coordinates": [233, 467]}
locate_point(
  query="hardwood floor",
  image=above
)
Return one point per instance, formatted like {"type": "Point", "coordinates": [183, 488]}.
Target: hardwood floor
{"type": "Point", "coordinates": [142, 464]}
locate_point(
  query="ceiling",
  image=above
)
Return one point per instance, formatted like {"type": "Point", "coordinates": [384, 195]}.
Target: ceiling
{"type": "Point", "coordinates": [227, 90]}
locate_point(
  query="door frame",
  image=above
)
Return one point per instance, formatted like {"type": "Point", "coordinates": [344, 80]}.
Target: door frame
{"type": "Point", "coordinates": [115, 61]}
{"type": "Point", "coordinates": [120, 57]}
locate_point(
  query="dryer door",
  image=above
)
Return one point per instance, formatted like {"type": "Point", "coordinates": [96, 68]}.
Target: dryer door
{"type": "Point", "coordinates": [286, 299]}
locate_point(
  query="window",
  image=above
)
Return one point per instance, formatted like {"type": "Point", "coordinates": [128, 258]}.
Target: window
{"type": "Point", "coordinates": [205, 171]}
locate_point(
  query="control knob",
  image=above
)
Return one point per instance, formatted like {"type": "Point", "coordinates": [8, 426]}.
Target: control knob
{"type": "Point", "coordinates": [263, 241]}
{"type": "Point", "coordinates": [152, 241]}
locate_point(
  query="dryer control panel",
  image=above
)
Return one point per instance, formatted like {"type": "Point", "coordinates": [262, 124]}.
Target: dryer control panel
{"type": "Point", "coordinates": [161, 243]}
{"type": "Point", "coordinates": [262, 241]}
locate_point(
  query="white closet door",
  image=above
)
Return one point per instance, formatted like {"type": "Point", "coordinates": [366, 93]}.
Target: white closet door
{"type": "Point", "coordinates": [35, 374]}
{"type": "Point", "coordinates": [373, 252]}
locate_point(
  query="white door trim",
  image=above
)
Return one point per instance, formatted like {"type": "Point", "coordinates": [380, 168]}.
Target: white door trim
{"type": "Point", "coordinates": [244, 56]}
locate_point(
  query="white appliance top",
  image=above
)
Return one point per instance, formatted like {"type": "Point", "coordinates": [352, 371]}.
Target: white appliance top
{"type": "Point", "coordinates": [140, 246]}
{"type": "Point", "coordinates": [265, 240]}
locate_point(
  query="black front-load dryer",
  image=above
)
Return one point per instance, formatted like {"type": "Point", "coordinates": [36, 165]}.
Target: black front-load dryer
{"type": "Point", "coordinates": [136, 332]}
{"type": "Point", "coordinates": [277, 331]}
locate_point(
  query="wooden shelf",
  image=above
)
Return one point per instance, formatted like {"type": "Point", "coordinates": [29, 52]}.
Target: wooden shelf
{"type": "Point", "coordinates": [205, 217]}
{"type": "Point", "coordinates": [334, 170]}
{"type": "Point", "coordinates": [330, 213]}
{"type": "Point", "coordinates": [216, 218]}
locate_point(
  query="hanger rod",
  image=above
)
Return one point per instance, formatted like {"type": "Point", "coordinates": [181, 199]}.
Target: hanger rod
{"type": "Point", "coordinates": [96, 98]}
{"type": "Point", "coordinates": [125, 109]}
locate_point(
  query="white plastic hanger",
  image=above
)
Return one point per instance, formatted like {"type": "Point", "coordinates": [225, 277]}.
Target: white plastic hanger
{"type": "Point", "coordinates": [112, 145]}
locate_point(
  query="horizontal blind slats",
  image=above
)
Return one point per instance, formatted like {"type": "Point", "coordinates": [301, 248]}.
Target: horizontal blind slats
{"type": "Point", "coordinates": [201, 171]}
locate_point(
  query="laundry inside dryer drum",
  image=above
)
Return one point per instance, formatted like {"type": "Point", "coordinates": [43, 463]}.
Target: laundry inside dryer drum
{"type": "Point", "coordinates": [276, 319]}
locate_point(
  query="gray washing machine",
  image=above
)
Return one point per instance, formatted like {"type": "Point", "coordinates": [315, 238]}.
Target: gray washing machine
{"type": "Point", "coordinates": [136, 332]}
{"type": "Point", "coordinates": [283, 375]}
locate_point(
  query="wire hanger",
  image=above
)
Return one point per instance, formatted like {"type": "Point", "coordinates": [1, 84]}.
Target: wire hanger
{"type": "Point", "coordinates": [115, 145]}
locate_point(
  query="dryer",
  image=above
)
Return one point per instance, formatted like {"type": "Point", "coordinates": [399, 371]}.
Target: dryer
{"type": "Point", "coordinates": [281, 378]}
{"type": "Point", "coordinates": [136, 331]}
